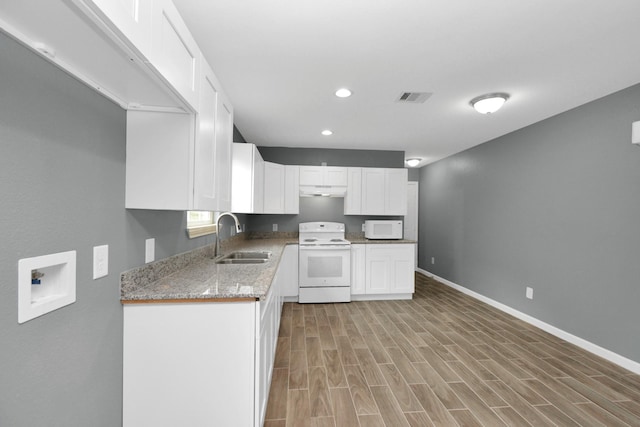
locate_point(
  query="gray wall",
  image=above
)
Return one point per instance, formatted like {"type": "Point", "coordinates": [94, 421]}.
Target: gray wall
{"type": "Point", "coordinates": [321, 208]}
{"type": "Point", "coordinates": [62, 172]}
{"type": "Point", "coordinates": [414, 174]}
{"type": "Point", "coordinates": [554, 206]}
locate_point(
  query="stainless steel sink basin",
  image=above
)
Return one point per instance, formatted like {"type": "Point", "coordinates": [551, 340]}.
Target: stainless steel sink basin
{"type": "Point", "coordinates": [244, 258]}
{"type": "Point", "coordinates": [241, 261]}
{"type": "Point", "coordinates": [248, 255]}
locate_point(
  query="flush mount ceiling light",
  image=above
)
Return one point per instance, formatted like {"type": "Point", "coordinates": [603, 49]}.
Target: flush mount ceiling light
{"type": "Point", "coordinates": [413, 162]}
{"type": "Point", "coordinates": [327, 132]}
{"type": "Point", "coordinates": [489, 103]}
{"type": "Point", "coordinates": [343, 93]}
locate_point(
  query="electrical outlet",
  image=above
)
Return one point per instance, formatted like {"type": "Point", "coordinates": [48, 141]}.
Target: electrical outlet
{"type": "Point", "coordinates": [433, 260]}
{"type": "Point", "coordinates": [275, 227]}
{"type": "Point", "coordinates": [100, 261]}
{"type": "Point", "coordinates": [149, 250]}
{"type": "Point", "coordinates": [529, 293]}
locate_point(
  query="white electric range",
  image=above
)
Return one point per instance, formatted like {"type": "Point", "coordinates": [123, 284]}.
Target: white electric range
{"type": "Point", "coordinates": [325, 263]}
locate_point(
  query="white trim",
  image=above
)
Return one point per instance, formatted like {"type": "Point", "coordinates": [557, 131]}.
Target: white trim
{"type": "Point", "coordinates": [609, 355]}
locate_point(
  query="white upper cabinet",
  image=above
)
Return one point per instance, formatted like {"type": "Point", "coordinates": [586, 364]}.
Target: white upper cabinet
{"type": "Point", "coordinates": [131, 18]}
{"type": "Point", "coordinates": [281, 189]}
{"type": "Point", "coordinates": [353, 196]}
{"type": "Point", "coordinates": [247, 195]}
{"type": "Point", "coordinates": [273, 188]}
{"type": "Point", "coordinates": [373, 191]}
{"type": "Point", "coordinates": [102, 43]}
{"type": "Point", "coordinates": [174, 52]}
{"type": "Point", "coordinates": [212, 174]}
{"type": "Point", "coordinates": [395, 188]}
{"type": "Point", "coordinates": [291, 189]}
{"type": "Point", "coordinates": [323, 175]}
{"type": "Point", "coordinates": [384, 192]}
{"type": "Point", "coordinates": [160, 160]}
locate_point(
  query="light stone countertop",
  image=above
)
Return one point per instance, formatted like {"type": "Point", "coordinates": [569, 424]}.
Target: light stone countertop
{"type": "Point", "coordinates": [195, 277]}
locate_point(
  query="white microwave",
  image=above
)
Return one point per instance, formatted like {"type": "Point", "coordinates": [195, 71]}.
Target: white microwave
{"type": "Point", "coordinates": [383, 229]}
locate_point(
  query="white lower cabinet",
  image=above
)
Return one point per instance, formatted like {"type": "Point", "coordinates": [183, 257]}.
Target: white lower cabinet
{"type": "Point", "coordinates": [384, 271]}
{"type": "Point", "coordinates": [289, 265]}
{"type": "Point", "coordinates": [358, 275]}
{"type": "Point", "coordinates": [190, 364]}
{"type": "Point", "coordinates": [203, 363]}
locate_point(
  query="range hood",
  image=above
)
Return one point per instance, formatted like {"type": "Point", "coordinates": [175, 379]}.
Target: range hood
{"type": "Point", "coordinates": [322, 191]}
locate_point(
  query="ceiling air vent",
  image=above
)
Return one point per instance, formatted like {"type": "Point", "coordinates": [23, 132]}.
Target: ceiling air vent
{"type": "Point", "coordinates": [413, 97]}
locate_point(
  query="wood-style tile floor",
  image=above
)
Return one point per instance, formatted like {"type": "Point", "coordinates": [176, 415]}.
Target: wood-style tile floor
{"type": "Point", "coordinates": [441, 359]}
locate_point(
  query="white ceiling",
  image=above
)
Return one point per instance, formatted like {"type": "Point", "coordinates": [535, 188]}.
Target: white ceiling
{"type": "Point", "coordinates": [280, 62]}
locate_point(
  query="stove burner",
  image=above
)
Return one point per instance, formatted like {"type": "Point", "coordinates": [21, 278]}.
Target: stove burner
{"type": "Point", "coordinates": [310, 240]}
{"type": "Point", "coordinates": [336, 240]}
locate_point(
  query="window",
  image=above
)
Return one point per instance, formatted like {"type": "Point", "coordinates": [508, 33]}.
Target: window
{"type": "Point", "coordinates": [200, 223]}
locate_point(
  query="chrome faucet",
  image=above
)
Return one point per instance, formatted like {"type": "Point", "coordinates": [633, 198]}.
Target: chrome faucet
{"type": "Point", "coordinates": [238, 230]}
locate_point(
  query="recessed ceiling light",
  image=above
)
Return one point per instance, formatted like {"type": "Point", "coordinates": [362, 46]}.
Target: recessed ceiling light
{"type": "Point", "coordinates": [489, 103]}
{"type": "Point", "coordinates": [413, 162]}
{"type": "Point", "coordinates": [327, 132]}
{"type": "Point", "coordinates": [343, 93]}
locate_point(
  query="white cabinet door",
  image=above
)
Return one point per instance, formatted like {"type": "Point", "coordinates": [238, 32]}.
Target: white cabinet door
{"type": "Point", "coordinates": [273, 188]}
{"type": "Point", "coordinates": [403, 269]}
{"type": "Point", "coordinates": [323, 175]}
{"type": "Point", "coordinates": [384, 191]}
{"type": "Point", "coordinates": [224, 141]}
{"type": "Point", "coordinates": [373, 191]}
{"type": "Point", "coordinates": [266, 345]}
{"type": "Point", "coordinates": [175, 53]}
{"type": "Point", "coordinates": [358, 269]}
{"type": "Point", "coordinates": [389, 268]}
{"type": "Point", "coordinates": [292, 189]}
{"type": "Point", "coordinates": [353, 197]}
{"type": "Point", "coordinates": [396, 191]}
{"type": "Point", "coordinates": [212, 176]}
{"type": "Point", "coordinates": [258, 182]}
{"type": "Point", "coordinates": [290, 268]}
{"type": "Point", "coordinates": [181, 367]}
{"type": "Point", "coordinates": [131, 18]}
{"type": "Point", "coordinates": [247, 172]}
{"type": "Point", "coordinates": [160, 160]}
{"type": "Point", "coordinates": [311, 175]}
{"type": "Point", "coordinates": [334, 175]}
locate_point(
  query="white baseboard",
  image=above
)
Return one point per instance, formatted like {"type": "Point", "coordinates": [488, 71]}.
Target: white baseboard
{"type": "Point", "coordinates": [609, 355]}
{"type": "Point", "coordinates": [380, 297]}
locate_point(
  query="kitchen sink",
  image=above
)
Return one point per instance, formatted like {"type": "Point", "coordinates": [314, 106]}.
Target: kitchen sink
{"type": "Point", "coordinates": [248, 255]}
{"type": "Point", "coordinates": [244, 258]}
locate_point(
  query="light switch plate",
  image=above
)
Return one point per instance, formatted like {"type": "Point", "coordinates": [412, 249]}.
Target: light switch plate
{"type": "Point", "coordinates": [100, 261]}
{"type": "Point", "coordinates": [149, 250]}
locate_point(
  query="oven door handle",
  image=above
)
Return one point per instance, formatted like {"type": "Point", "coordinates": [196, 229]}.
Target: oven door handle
{"type": "Point", "coordinates": [325, 247]}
